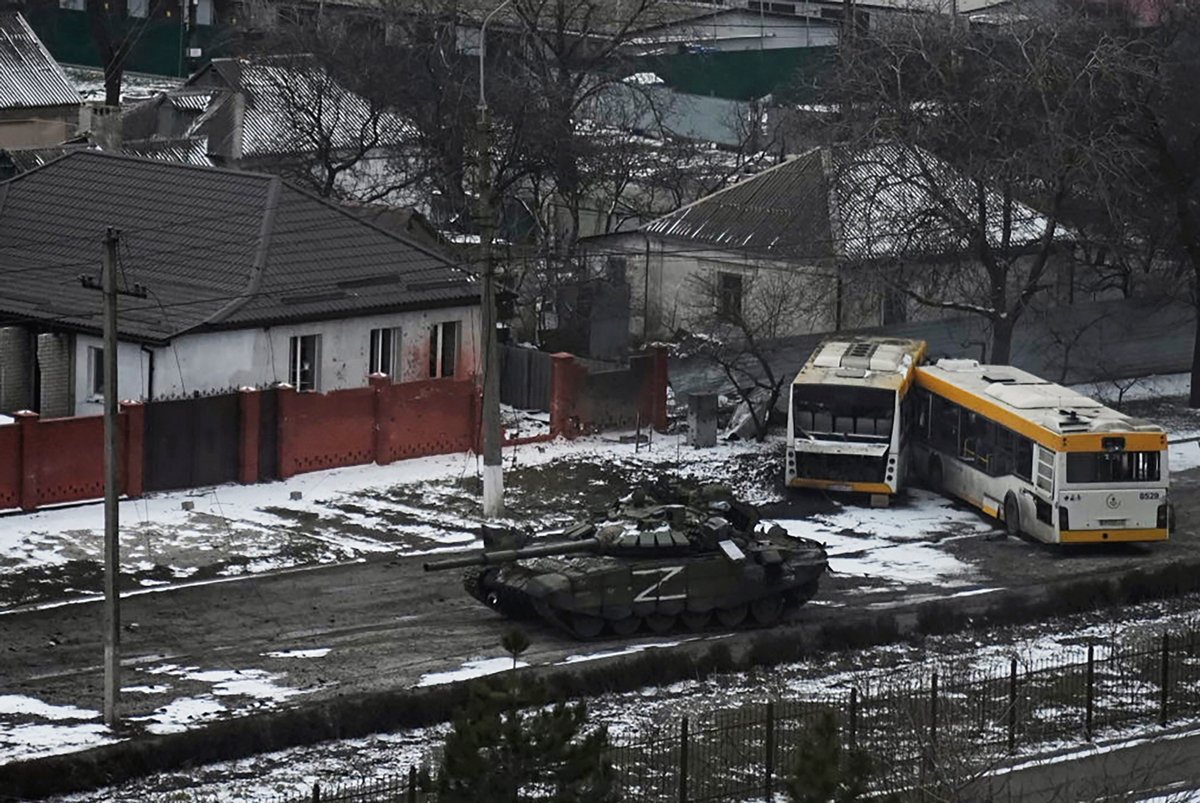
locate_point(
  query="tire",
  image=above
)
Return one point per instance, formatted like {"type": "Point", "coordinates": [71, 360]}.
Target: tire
{"type": "Point", "coordinates": [936, 483]}
{"type": "Point", "coordinates": [1012, 515]}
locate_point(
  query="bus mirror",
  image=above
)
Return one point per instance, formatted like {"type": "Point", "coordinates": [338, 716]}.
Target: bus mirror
{"type": "Point", "coordinates": [1113, 444]}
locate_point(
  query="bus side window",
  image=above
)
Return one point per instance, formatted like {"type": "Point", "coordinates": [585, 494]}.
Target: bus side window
{"type": "Point", "coordinates": [944, 426]}
{"type": "Point", "coordinates": [1024, 458]}
{"type": "Point", "coordinates": [1002, 458]}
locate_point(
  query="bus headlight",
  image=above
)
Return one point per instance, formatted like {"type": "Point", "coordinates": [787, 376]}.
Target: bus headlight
{"type": "Point", "coordinates": [1064, 518]}
{"type": "Point", "coordinates": [1164, 516]}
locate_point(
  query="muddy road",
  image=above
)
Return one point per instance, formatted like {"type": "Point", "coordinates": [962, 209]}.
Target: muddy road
{"type": "Point", "coordinates": [387, 623]}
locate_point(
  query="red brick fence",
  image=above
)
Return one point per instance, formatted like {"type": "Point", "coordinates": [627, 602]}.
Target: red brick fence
{"type": "Point", "coordinates": [261, 435]}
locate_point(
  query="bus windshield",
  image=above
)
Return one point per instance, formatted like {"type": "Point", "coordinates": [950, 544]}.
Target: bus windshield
{"type": "Point", "coordinates": [843, 410]}
{"type": "Point", "coordinates": [1089, 467]}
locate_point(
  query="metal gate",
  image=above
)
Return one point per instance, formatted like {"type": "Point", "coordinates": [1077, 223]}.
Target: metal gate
{"type": "Point", "coordinates": [192, 442]}
{"type": "Point", "coordinates": [525, 378]}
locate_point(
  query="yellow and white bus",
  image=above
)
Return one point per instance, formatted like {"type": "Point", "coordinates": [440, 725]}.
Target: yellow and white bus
{"type": "Point", "coordinates": [850, 418]}
{"type": "Point", "coordinates": [1045, 460]}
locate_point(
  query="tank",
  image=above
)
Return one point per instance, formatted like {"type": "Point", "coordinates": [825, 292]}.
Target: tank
{"type": "Point", "coordinates": [691, 561]}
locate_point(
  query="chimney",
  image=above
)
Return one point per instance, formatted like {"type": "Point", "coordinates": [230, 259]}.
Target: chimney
{"type": "Point", "coordinates": [104, 124]}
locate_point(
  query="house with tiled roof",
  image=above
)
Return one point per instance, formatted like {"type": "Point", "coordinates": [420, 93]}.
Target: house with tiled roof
{"type": "Point", "coordinates": [250, 281]}
{"type": "Point", "coordinates": [838, 220]}
{"type": "Point", "coordinates": [38, 103]}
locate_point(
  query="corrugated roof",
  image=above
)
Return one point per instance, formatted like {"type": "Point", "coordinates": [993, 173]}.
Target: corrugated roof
{"type": "Point", "coordinates": [29, 75]}
{"type": "Point", "coordinates": [286, 98]}
{"type": "Point", "coordinates": [188, 150]}
{"type": "Point", "coordinates": [218, 248]}
{"type": "Point", "coordinates": [867, 204]}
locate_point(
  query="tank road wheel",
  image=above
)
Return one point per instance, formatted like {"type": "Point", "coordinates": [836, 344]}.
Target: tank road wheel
{"type": "Point", "coordinates": [767, 610]}
{"type": "Point", "coordinates": [798, 596]}
{"type": "Point", "coordinates": [627, 626]}
{"type": "Point", "coordinates": [1012, 515]}
{"type": "Point", "coordinates": [585, 626]}
{"type": "Point", "coordinates": [695, 621]}
{"type": "Point", "coordinates": [660, 623]}
{"type": "Point", "coordinates": [732, 617]}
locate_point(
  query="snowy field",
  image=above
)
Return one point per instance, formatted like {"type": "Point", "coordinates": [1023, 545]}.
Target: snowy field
{"type": "Point", "coordinates": [430, 505]}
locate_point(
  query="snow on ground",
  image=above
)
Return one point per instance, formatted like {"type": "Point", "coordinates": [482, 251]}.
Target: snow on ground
{"type": "Point", "coordinates": [430, 504]}
{"type": "Point", "coordinates": [476, 668]}
{"type": "Point", "coordinates": [426, 505]}
{"type": "Point", "coordinates": [645, 713]}
{"type": "Point", "coordinates": [135, 87]}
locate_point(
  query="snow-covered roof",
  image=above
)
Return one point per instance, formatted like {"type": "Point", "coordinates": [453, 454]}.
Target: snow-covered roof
{"type": "Point", "coordinates": [29, 75]}
{"type": "Point", "coordinates": [286, 99]}
{"type": "Point", "coordinates": [877, 362]}
{"type": "Point", "coordinates": [879, 202]}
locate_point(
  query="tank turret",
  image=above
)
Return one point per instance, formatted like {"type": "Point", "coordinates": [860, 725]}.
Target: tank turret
{"type": "Point", "coordinates": [690, 562]}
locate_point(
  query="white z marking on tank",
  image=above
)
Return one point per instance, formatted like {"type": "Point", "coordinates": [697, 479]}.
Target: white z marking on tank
{"type": "Point", "coordinates": [650, 594]}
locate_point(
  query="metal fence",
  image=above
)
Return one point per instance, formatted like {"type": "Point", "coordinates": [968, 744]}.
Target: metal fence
{"type": "Point", "coordinates": [919, 731]}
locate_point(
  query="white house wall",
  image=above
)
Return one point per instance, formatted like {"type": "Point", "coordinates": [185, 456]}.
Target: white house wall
{"type": "Point", "coordinates": [664, 296]}
{"type": "Point", "coordinates": [133, 374]}
{"type": "Point", "coordinates": [213, 362]}
{"type": "Point", "coordinates": [216, 362]}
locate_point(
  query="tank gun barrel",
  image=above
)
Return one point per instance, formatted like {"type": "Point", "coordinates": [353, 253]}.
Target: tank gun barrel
{"type": "Point", "coordinates": [498, 556]}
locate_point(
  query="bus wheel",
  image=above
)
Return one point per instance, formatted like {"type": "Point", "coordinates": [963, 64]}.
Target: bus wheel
{"type": "Point", "coordinates": [935, 476]}
{"type": "Point", "coordinates": [1012, 515]}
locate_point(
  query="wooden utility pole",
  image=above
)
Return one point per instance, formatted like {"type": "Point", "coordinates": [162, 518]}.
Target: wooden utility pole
{"type": "Point", "coordinates": [112, 544]}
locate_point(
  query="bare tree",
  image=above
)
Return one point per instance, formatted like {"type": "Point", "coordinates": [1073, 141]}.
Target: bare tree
{"type": "Point", "coordinates": [970, 142]}
{"type": "Point", "coordinates": [322, 132]}
{"type": "Point", "coordinates": [735, 320]}
{"type": "Point", "coordinates": [1159, 113]}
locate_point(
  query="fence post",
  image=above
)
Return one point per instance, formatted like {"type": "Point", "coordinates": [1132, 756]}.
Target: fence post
{"type": "Point", "coordinates": [683, 761]}
{"type": "Point", "coordinates": [250, 418]}
{"type": "Point", "coordinates": [770, 790]}
{"type": "Point", "coordinates": [412, 784]}
{"type": "Point", "coordinates": [133, 463]}
{"type": "Point", "coordinates": [933, 712]}
{"type": "Point", "coordinates": [1091, 692]}
{"type": "Point", "coordinates": [1012, 705]}
{"type": "Point", "coordinates": [316, 792]}
{"type": "Point", "coordinates": [853, 717]}
{"type": "Point", "coordinates": [1162, 707]}
{"type": "Point", "coordinates": [378, 384]}
{"type": "Point", "coordinates": [27, 492]}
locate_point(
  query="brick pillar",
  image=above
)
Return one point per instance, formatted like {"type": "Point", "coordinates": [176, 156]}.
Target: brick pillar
{"type": "Point", "coordinates": [250, 419]}
{"type": "Point", "coordinates": [564, 395]}
{"type": "Point", "coordinates": [382, 421]}
{"type": "Point", "coordinates": [28, 492]}
{"type": "Point", "coordinates": [286, 398]}
{"type": "Point", "coordinates": [658, 388]}
{"type": "Point", "coordinates": [133, 444]}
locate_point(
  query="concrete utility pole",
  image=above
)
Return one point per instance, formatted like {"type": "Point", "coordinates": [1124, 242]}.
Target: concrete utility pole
{"type": "Point", "coordinates": [112, 544]}
{"type": "Point", "coordinates": [493, 473]}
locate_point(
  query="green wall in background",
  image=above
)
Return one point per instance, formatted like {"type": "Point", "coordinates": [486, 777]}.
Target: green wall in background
{"type": "Point", "coordinates": [68, 36]}
{"type": "Point", "coordinates": [744, 74]}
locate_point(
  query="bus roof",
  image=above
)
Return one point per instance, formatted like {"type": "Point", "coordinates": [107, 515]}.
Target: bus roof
{"type": "Point", "coordinates": [879, 362]}
{"type": "Point", "coordinates": [1047, 412]}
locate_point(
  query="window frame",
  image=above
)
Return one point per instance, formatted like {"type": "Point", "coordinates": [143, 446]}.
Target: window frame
{"type": "Point", "coordinates": [731, 294]}
{"type": "Point", "coordinates": [390, 365]}
{"type": "Point", "coordinates": [438, 344]}
{"type": "Point", "coordinates": [95, 372]}
{"type": "Point", "coordinates": [296, 348]}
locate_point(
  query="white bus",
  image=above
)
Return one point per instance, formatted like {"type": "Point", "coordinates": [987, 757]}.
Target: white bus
{"type": "Point", "coordinates": [849, 416]}
{"type": "Point", "coordinates": [1045, 460]}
